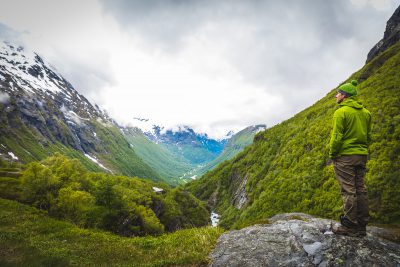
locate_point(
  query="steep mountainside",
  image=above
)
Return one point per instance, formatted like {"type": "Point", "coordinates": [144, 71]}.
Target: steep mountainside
{"type": "Point", "coordinates": [287, 167]}
{"type": "Point", "coordinates": [166, 163]}
{"type": "Point", "coordinates": [41, 113]}
{"type": "Point", "coordinates": [234, 145]}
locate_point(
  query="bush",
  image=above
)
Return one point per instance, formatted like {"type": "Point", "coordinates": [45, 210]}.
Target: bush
{"type": "Point", "coordinates": [39, 185]}
{"type": "Point", "coordinates": [75, 206]}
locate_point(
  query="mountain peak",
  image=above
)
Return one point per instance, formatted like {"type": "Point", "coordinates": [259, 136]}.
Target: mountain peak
{"type": "Point", "coordinates": [25, 73]}
{"type": "Point", "coordinates": [28, 69]}
{"type": "Point", "coordinates": [390, 37]}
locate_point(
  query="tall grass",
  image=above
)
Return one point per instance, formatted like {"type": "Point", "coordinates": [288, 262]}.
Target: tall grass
{"type": "Point", "coordinates": [28, 237]}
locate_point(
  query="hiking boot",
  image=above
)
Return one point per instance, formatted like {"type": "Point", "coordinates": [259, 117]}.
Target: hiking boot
{"type": "Point", "coordinates": [362, 230]}
{"type": "Point", "coordinates": [345, 221]}
{"type": "Point", "coordinates": [340, 229]}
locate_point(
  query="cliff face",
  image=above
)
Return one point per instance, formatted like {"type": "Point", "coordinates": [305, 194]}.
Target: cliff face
{"type": "Point", "coordinates": [296, 239]}
{"type": "Point", "coordinates": [391, 36]}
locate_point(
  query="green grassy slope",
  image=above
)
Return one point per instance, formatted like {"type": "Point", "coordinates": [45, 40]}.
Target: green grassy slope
{"type": "Point", "coordinates": [169, 166]}
{"type": "Point", "coordinates": [288, 167]}
{"type": "Point", "coordinates": [30, 238]}
{"type": "Point", "coordinates": [117, 153]}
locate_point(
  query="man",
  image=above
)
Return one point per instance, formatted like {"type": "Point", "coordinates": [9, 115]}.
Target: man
{"type": "Point", "coordinates": [348, 148]}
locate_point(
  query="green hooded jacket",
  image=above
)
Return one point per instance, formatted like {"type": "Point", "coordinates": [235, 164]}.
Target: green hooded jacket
{"type": "Point", "coordinates": [351, 131]}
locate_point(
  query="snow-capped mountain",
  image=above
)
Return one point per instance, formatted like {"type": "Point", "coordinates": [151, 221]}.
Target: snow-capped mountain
{"type": "Point", "coordinates": [41, 113]}
{"type": "Point", "coordinates": [183, 153]}
{"type": "Point", "coordinates": [196, 148]}
{"type": "Point", "coordinates": [234, 145]}
{"type": "Point", "coordinates": [26, 73]}
{"type": "Point", "coordinates": [183, 141]}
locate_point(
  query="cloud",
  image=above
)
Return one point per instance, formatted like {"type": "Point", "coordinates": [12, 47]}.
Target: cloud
{"type": "Point", "coordinates": [163, 23]}
{"type": "Point", "coordinates": [377, 4]}
{"type": "Point", "coordinates": [71, 35]}
{"type": "Point", "coordinates": [280, 44]}
{"type": "Point", "coordinates": [212, 65]}
{"type": "Point", "coordinates": [297, 50]}
{"type": "Point", "coordinates": [6, 33]}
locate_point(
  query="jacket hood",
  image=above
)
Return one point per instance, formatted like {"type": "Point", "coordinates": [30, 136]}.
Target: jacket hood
{"type": "Point", "coordinates": [352, 102]}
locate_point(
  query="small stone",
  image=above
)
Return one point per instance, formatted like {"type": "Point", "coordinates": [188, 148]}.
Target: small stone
{"type": "Point", "coordinates": [313, 248]}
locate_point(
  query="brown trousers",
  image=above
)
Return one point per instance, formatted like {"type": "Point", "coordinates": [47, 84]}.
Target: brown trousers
{"type": "Point", "coordinates": [350, 173]}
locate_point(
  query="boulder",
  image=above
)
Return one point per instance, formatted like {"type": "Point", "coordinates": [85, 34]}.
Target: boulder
{"type": "Point", "coordinates": [296, 239]}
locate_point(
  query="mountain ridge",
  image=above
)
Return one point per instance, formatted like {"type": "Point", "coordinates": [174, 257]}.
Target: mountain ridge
{"type": "Point", "coordinates": [41, 113]}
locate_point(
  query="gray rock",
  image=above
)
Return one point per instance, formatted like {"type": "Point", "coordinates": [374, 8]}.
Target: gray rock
{"type": "Point", "coordinates": [391, 36]}
{"type": "Point", "coordinates": [240, 195]}
{"type": "Point", "coordinates": [298, 239]}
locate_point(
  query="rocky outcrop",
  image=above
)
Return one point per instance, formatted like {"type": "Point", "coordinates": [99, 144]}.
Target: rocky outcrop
{"type": "Point", "coordinates": [297, 239]}
{"type": "Point", "coordinates": [391, 36]}
{"type": "Point", "coordinates": [240, 195]}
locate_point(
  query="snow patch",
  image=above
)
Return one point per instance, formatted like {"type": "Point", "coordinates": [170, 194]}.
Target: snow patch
{"type": "Point", "coordinates": [97, 162]}
{"type": "Point", "coordinates": [71, 116]}
{"type": "Point", "coordinates": [157, 190]}
{"type": "Point", "coordinates": [12, 155]}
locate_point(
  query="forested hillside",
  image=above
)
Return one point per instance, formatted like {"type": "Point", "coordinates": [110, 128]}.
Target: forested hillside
{"type": "Point", "coordinates": [127, 206]}
{"type": "Point", "coordinates": [287, 168]}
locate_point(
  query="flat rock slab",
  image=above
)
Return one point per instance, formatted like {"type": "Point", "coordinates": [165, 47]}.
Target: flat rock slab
{"type": "Point", "coordinates": [296, 239]}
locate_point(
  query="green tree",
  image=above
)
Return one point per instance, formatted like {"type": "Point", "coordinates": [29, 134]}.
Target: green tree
{"type": "Point", "coordinates": [75, 206]}
{"type": "Point", "coordinates": [39, 185]}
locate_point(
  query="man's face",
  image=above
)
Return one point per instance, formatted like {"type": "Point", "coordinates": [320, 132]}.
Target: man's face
{"type": "Point", "coordinates": [340, 97]}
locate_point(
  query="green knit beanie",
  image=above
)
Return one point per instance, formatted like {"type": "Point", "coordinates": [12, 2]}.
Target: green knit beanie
{"type": "Point", "coordinates": [349, 89]}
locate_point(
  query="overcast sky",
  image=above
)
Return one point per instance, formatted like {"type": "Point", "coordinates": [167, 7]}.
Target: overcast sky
{"type": "Point", "coordinates": [213, 65]}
